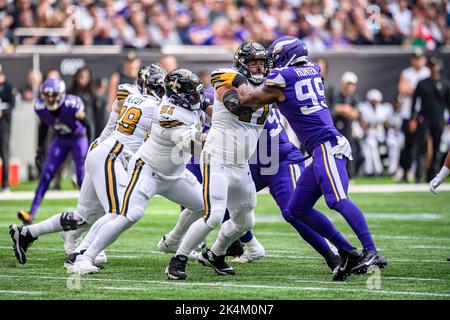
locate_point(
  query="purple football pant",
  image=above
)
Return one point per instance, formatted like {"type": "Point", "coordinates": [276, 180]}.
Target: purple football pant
{"type": "Point", "coordinates": [327, 176]}
{"type": "Point", "coordinates": [56, 155]}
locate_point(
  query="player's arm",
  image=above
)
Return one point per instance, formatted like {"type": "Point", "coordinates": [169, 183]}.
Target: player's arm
{"type": "Point", "coordinates": [81, 116]}
{"type": "Point", "coordinates": [257, 98]}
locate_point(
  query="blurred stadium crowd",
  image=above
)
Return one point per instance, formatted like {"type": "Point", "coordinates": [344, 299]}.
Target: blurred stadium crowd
{"type": "Point", "coordinates": [149, 23]}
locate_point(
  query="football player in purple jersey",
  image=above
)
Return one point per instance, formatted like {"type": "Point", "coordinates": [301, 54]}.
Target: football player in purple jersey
{"type": "Point", "coordinates": [295, 84]}
{"type": "Point", "coordinates": [65, 114]}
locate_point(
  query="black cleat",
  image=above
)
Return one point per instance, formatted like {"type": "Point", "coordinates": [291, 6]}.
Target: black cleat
{"type": "Point", "coordinates": [25, 217]}
{"type": "Point", "coordinates": [70, 261]}
{"type": "Point", "coordinates": [22, 240]}
{"type": "Point", "coordinates": [209, 259]}
{"type": "Point", "coordinates": [350, 259]}
{"type": "Point", "coordinates": [448, 259]}
{"type": "Point", "coordinates": [176, 268]}
{"type": "Point", "coordinates": [333, 260]}
{"type": "Point", "coordinates": [369, 260]}
{"type": "Point", "coordinates": [235, 249]}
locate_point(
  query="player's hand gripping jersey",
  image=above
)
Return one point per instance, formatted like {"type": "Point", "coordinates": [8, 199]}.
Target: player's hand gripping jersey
{"type": "Point", "coordinates": [232, 139]}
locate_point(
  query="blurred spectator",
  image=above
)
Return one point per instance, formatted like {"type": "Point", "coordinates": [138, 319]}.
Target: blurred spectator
{"type": "Point", "coordinates": [83, 87]}
{"type": "Point", "coordinates": [100, 105]}
{"type": "Point", "coordinates": [168, 62]}
{"type": "Point", "coordinates": [7, 103]}
{"type": "Point", "coordinates": [395, 137]}
{"type": "Point", "coordinates": [31, 89]}
{"type": "Point", "coordinates": [345, 112]}
{"type": "Point", "coordinates": [374, 115]}
{"type": "Point", "coordinates": [127, 73]}
{"type": "Point", "coordinates": [406, 86]}
{"type": "Point", "coordinates": [205, 78]}
{"type": "Point", "coordinates": [432, 97]}
{"type": "Point", "coordinates": [52, 74]}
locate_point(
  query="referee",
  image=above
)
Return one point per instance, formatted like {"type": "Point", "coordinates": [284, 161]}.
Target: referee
{"type": "Point", "coordinates": [430, 99]}
{"type": "Point", "coordinates": [7, 102]}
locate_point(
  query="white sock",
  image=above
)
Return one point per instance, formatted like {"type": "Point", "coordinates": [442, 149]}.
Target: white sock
{"type": "Point", "coordinates": [227, 235]}
{"type": "Point", "coordinates": [107, 235]}
{"type": "Point", "coordinates": [94, 230]}
{"type": "Point", "coordinates": [194, 236]}
{"type": "Point", "coordinates": [186, 219]}
{"type": "Point", "coordinates": [50, 225]}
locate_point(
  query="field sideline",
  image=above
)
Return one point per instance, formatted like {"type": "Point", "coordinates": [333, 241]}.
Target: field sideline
{"type": "Point", "coordinates": [411, 229]}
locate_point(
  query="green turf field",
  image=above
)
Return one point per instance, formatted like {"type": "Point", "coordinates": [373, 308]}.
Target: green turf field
{"type": "Point", "coordinates": [412, 230]}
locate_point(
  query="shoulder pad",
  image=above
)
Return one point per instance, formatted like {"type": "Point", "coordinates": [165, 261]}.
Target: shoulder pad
{"type": "Point", "coordinates": [275, 79]}
{"type": "Point", "coordinates": [223, 76]}
{"type": "Point", "coordinates": [125, 89]}
{"type": "Point", "coordinates": [170, 116]}
{"type": "Point", "coordinates": [39, 105]}
{"type": "Point", "coordinates": [74, 102]}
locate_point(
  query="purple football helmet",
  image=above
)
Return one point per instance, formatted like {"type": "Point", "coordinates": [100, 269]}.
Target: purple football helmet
{"type": "Point", "coordinates": [287, 51]}
{"type": "Point", "coordinates": [53, 92]}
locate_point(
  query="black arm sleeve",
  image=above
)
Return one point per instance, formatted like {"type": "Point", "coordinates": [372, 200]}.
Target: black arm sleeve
{"type": "Point", "coordinates": [42, 134]}
{"type": "Point", "coordinates": [231, 102]}
{"type": "Point", "coordinates": [239, 80]}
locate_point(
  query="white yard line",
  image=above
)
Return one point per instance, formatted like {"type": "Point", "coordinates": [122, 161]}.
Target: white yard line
{"type": "Point", "coordinates": [353, 188]}
{"type": "Point", "coordinates": [21, 292]}
{"type": "Point", "coordinates": [232, 285]}
{"type": "Point", "coordinates": [431, 247]}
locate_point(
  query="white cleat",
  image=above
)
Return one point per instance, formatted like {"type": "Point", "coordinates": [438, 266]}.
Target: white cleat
{"type": "Point", "coordinates": [100, 260]}
{"type": "Point", "coordinates": [83, 265]}
{"type": "Point", "coordinates": [253, 251]}
{"type": "Point", "coordinates": [168, 246]}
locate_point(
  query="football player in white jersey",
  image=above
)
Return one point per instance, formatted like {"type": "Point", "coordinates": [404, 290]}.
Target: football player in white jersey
{"type": "Point", "coordinates": [89, 208]}
{"type": "Point", "coordinates": [159, 166]}
{"type": "Point", "coordinates": [227, 182]}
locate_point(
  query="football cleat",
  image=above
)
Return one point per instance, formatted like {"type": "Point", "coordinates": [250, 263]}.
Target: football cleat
{"type": "Point", "coordinates": [167, 246]}
{"type": "Point", "coordinates": [253, 251]}
{"type": "Point", "coordinates": [350, 259]}
{"type": "Point", "coordinates": [22, 240]}
{"type": "Point", "coordinates": [235, 249]}
{"type": "Point", "coordinates": [209, 259]}
{"type": "Point", "coordinates": [100, 260]}
{"type": "Point", "coordinates": [176, 270]}
{"type": "Point", "coordinates": [369, 260]}
{"type": "Point", "coordinates": [83, 265]}
{"type": "Point", "coordinates": [25, 217]}
{"type": "Point", "coordinates": [70, 261]}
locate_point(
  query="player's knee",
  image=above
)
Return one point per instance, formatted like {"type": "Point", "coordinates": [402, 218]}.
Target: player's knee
{"type": "Point", "coordinates": [214, 219]}
{"type": "Point", "coordinates": [287, 215]}
{"type": "Point", "coordinates": [331, 202]}
{"type": "Point", "coordinates": [135, 213]}
{"type": "Point", "coordinates": [296, 211]}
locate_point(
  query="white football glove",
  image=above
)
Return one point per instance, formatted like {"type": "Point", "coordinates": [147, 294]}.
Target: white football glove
{"type": "Point", "coordinates": [343, 148]}
{"type": "Point", "coordinates": [435, 183]}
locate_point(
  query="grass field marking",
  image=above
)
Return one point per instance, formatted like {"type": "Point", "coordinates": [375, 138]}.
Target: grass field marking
{"type": "Point", "coordinates": [171, 284]}
{"type": "Point", "coordinates": [412, 278]}
{"type": "Point", "coordinates": [267, 255]}
{"type": "Point", "coordinates": [430, 247]}
{"type": "Point", "coordinates": [21, 292]}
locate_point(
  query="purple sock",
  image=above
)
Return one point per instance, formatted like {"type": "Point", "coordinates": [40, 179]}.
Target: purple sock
{"type": "Point", "coordinates": [246, 237]}
{"type": "Point", "coordinates": [308, 234]}
{"type": "Point", "coordinates": [317, 221]}
{"type": "Point", "coordinates": [355, 218]}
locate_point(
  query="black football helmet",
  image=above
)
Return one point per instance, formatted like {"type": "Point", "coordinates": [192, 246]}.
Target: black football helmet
{"type": "Point", "coordinates": [247, 52]}
{"type": "Point", "coordinates": [184, 88]}
{"type": "Point", "coordinates": [150, 79]}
